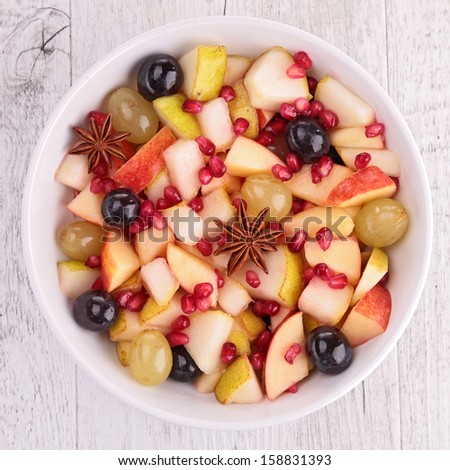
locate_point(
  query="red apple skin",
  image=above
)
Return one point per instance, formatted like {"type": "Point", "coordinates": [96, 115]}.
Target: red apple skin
{"type": "Point", "coordinates": [147, 162]}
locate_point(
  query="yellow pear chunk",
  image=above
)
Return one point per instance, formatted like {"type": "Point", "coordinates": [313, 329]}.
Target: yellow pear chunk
{"type": "Point", "coordinates": [237, 66]}
{"type": "Point", "coordinates": [122, 351]}
{"type": "Point", "coordinates": [240, 339]}
{"type": "Point", "coordinates": [128, 326]}
{"type": "Point", "coordinates": [240, 107]}
{"type": "Point", "coordinates": [233, 297]}
{"type": "Point", "coordinates": [75, 277]}
{"type": "Point", "coordinates": [206, 383]}
{"type": "Point", "coordinates": [159, 280]}
{"type": "Point", "coordinates": [153, 315]}
{"type": "Point", "coordinates": [251, 323]}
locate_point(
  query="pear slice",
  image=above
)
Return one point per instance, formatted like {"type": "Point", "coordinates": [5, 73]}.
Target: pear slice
{"type": "Point", "coordinates": [217, 205]}
{"type": "Point", "coordinates": [240, 107]}
{"type": "Point", "coordinates": [206, 383]}
{"type": "Point", "coordinates": [354, 137]}
{"type": "Point", "coordinates": [159, 280]}
{"type": "Point", "coordinates": [185, 223]}
{"type": "Point", "coordinates": [75, 277]}
{"type": "Point", "coordinates": [88, 206]}
{"type": "Point", "coordinates": [73, 172]}
{"type": "Point", "coordinates": [233, 297]}
{"type": "Point", "coordinates": [156, 316]}
{"type": "Point", "coordinates": [128, 326]}
{"type": "Point", "coordinates": [237, 66]}
{"type": "Point", "coordinates": [122, 351]}
{"type": "Point", "coordinates": [155, 188]}
{"type": "Point", "coordinates": [240, 339]}
{"type": "Point", "coordinates": [239, 384]}
{"type": "Point", "coordinates": [386, 160]}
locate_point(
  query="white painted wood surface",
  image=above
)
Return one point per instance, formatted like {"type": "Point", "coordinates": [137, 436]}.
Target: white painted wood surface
{"type": "Point", "coordinates": [45, 400]}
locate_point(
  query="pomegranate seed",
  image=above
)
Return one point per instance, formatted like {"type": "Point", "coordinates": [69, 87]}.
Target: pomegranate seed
{"type": "Point", "coordinates": [316, 177]}
{"type": "Point", "coordinates": [162, 204]}
{"type": "Point", "coordinates": [316, 108]}
{"type": "Point", "coordinates": [205, 146]}
{"type": "Point", "coordinates": [303, 59]}
{"type": "Point", "coordinates": [204, 247]}
{"type": "Point", "coordinates": [323, 271]}
{"type": "Point", "coordinates": [263, 339]}
{"type": "Point", "coordinates": [124, 297]}
{"type": "Point", "coordinates": [396, 180]}
{"type": "Point", "coordinates": [203, 304]}
{"type": "Point", "coordinates": [292, 389]}
{"type": "Point", "coordinates": [252, 279]}
{"type": "Point", "coordinates": [295, 244]}
{"type": "Point", "coordinates": [303, 106]}
{"type": "Point", "coordinates": [277, 125]}
{"type": "Point", "coordinates": [101, 169]}
{"type": "Point", "coordinates": [159, 222]}
{"type": "Point", "coordinates": [96, 186]}
{"type": "Point", "coordinates": [297, 206]}
{"type": "Point", "coordinates": [274, 226]}
{"type": "Point", "coordinates": [288, 111]}
{"type": "Point", "coordinates": [228, 352]}
{"type": "Point", "coordinates": [98, 117]}
{"type": "Point", "coordinates": [180, 323]}
{"type": "Point", "coordinates": [172, 195]}
{"type": "Point", "coordinates": [205, 175]}
{"type": "Point", "coordinates": [109, 185]}
{"type": "Point", "coordinates": [265, 138]}
{"type": "Point", "coordinates": [281, 172]}
{"type": "Point", "coordinates": [93, 261]}
{"type": "Point", "coordinates": [362, 160]}
{"type": "Point", "coordinates": [312, 84]}
{"type": "Point", "coordinates": [192, 106]}
{"type": "Point", "coordinates": [217, 166]}
{"type": "Point", "coordinates": [324, 237]}
{"type": "Point", "coordinates": [139, 225]}
{"type": "Point", "coordinates": [257, 307]}
{"type": "Point", "coordinates": [227, 93]}
{"type": "Point", "coordinates": [296, 71]}
{"type": "Point", "coordinates": [188, 304]}
{"type": "Point", "coordinates": [137, 301]}
{"type": "Point", "coordinates": [222, 240]}
{"type": "Point", "coordinates": [240, 126]}
{"type": "Point", "coordinates": [308, 274]}
{"type": "Point", "coordinates": [325, 165]}
{"type": "Point", "coordinates": [329, 119]}
{"type": "Point", "coordinates": [196, 204]}
{"type": "Point", "coordinates": [375, 129]}
{"type": "Point", "coordinates": [177, 338]}
{"type": "Point", "coordinates": [338, 282]}
{"type": "Point", "coordinates": [292, 353]}
{"type": "Point", "coordinates": [271, 308]}
{"type": "Point", "coordinates": [236, 202]}
{"type": "Point", "coordinates": [203, 290]}
{"type": "Point", "coordinates": [220, 279]}
{"type": "Point", "coordinates": [384, 279]}
{"type": "Point", "coordinates": [98, 284]}
{"type": "Point", "coordinates": [147, 208]}
{"type": "Point", "coordinates": [256, 360]}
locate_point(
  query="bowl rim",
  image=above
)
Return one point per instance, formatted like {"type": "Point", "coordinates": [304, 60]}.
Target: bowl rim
{"type": "Point", "coordinates": [87, 367]}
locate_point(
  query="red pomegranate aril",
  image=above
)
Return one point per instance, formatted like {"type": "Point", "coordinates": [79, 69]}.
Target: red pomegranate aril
{"type": "Point", "coordinates": [265, 138]}
{"type": "Point", "coordinates": [303, 59]}
{"type": "Point", "coordinates": [297, 206]}
{"type": "Point", "coordinates": [296, 71]}
{"type": "Point", "coordinates": [308, 274]}
{"type": "Point", "coordinates": [162, 204]}
{"type": "Point", "coordinates": [271, 307]}
{"type": "Point", "coordinates": [227, 93]}
{"type": "Point", "coordinates": [316, 177]}
{"type": "Point", "coordinates": [263, 339]}
{"type": "Point", "coordinates": [288, 111]}
{"type": "Point", "coordinates": [277, 125]}
{"type": "Point", "coordinates": [236, 201]}
{"type": "Point", "coordinates": [220, 279]}
{"type": "Point", "coordinates": [316, 108]}
{"type": "Point", "coordinates": [177, 338]}
{"type": "Point", "coordinates": [329, 119]}
{"type": "Point", "coordinates": [138, 225]}
{"type": "Point", "coordinates": [252, 279]}
{"type": "Point", "coordinates": [124, 297]}
{"type": "Point", "coordinates": [256, 360]}
{"type": "Point", "coordinates": [205, 146]}
{"type": "Point", "coordinates": [93, 261]}
{"type": "Point", "coordinates": [273, 226]}
{"type": "Point", "coordinates": [324, 237]}
{"type": "Point", "coordinates": [338, 282]}
{"type": "Point", "coordinates": [204, 247]}
{"type": "Point", "coordinates": [196, 204]}
{"type": "Point", "coordinates": [295, 244]}
{"type": "Point", "coordinates": [293, 162]}
{"type": "Point", "coordinates": [96, 186]}
{"type": "Point", "coordinates": [205, 175]}
{"type": "Point", "coordinates": [159, 222]}
{"type": "Point", "coordinates": [222, 239]}
{"type": "Point", "coordinates": [180, 323]}
{"type": "Point", "coordinates": [257, 307]}
{"type": "Point", "coordinates": [98, 284]}
{"type": "Point", "coordinates": [147, 208]}
{"type": "Point", "coordinates": [109, 185]}
{"type": "Point", "coordinates": [292, 389]}
{"type": "Point", "coordinates": [203, 290]}
{"type": "Point", "coordinates": [323, 271]}
{"type": "Point", "coordinates": [137, 301]}
{"type": "Point", "coordinates": [303, 106]}
{"type": "Point", "coordinates": [217, 166]}
{"type": "Point", "coordinates": [375, 129]}
{"type": "Point", "coordinates": [203, 304]}
{"type": "Point", "coordinates": [172, 195]}
{"type": "Point", "coordinates": [240, 126]}
{"type": "Point", "coordinates": [362, 160]}
{"type": "Point", "coordinates": [228, 352]}
{"type": "Point", "coordinates": [188, 304]}
{"type": "Point", "coordinates": [192, 106]}
{"type": "Point", "coordinates": [281, 172]}
{"type": "Point", "coordinates": [292, 353]}
{"type": "Point", "coordinates": [312, 84]}
{"type": "Point", "coordinates": [325, 165]}
{"type": "Point", "coordinates": [101, 169]}
{"type": "Point", "coordinates": [98, 117]}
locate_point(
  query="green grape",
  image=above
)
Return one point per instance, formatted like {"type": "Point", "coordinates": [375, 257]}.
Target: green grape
{"type": "Point", "coordinates": [132, 113]}
{"type": "Point", "coordinates": [79, 240]}
{"type": "Point", "coordinates": [150, 358]}
{"type": "Point", "coordinates": [381, 222]}
{"type": "Point", "coordinates": [260, 191]}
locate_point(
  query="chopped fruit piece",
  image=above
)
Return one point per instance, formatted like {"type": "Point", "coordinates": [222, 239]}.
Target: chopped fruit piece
{"type": "Point", "coordinates": [126, 327]}
{"type": "Point", "coordinates": [206, 383]}
{"type": "Point", "coordinates": [73, 172]}
{"type": "Point", "coordinates": [237, 66]}
{"type": "Point", "coordinates": [264, 116]}
{"type": "Point", "coordinates": [152, 243]}
{"type": "Point", "coordinates": [75, 277]}
{"type": "Point", "coordinates": [386, 160]}
{"type": "Point", "coordinates": [159, 280]}
{"type": "Point", "coordinates": [158, 316]}
{"type": "Point", "coordinates": [217, 204]}
{"type": "Point", "coordinates": [122, 351]}
{"type": "Point", "coordinates": [241, 109]}
{"type": "Point", "coordinates": [185, 223]}
{"type": "Point", "coordinates": [88, 206]}
{"type": "Point", "coordinates": [277, 319]}
{"type": "Point", "coordinates": [233, 297]}
{"type": "Point", "coordinates": [155, 189]}
{"type": "Point", "coordinates": [354, 137]}
{"type": "Point", "coordinates": [240, 339]}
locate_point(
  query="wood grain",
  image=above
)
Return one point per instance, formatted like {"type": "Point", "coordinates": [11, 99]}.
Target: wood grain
{"type": "Point", "coordinates": [46, 401]}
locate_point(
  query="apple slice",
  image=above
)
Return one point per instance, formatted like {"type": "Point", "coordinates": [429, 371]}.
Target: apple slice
{"type": "Point", "coordinates": [215, 124]}
{"type": "Point", "coordinates": [386, 160]}
{"type": "Point", "coordinates": [246, 157]}
{"type": "Point", "coordinates": [240, 107]}
{"type": "Point", "coordinates": [324, 304]}
{"type": "Point", "coordinates": [152, 243]}
{"type": "Point", "coordinates": [267, 83]}
{"type": "Point", "coordinates": [146, 163]}
{"type": "Point", "coordinates": [227, 182]}
{"type": "Point", "coordinates": [376, 268]}
{"type": "Point", "coordinates": [278, 319]}
{"type": "Point", "coordinates": [191, 270]}
{"type": "Point", "coordinates": [312, 220]}
{"type": "Point", "coordinates": [185, 223]}
{"type": "Point", "coordinates": [251, 323]}
{"type": "Point", "coordinates": [154, 315]}
{"type": "Point", "coordinates": [351, 110]}
{"type": "Point", "coordinates": [354, 137]}
{"type": "Point", "coordinates": [73, 172]}
{"type": "Point", "coordinates": [159, 280]}
{"type": "Point", "coordinates": [233, 297]}
{"type": "Point", "coordinates": [237, 66]}
{"type": "Point", "coordinates": [343, 256]}
{"type": "Point", "coordinates": [361, 187]}
{"type": "Point", "coordinates": [206, 383]}
{"type": "Point", "coordinates": [352, 211]}
{"type": "Point", "coordinates": [170, 112]}
{"type": "Point", "coordinates": [207, 332]}
{"type": "Point", "coordinates": [264, 117]}
{"type": "Point", "coordinates": [301, 184]}
{"type": "Point", "coordinates": [279, 374]}
{"type": "Point", "coordinates": [155, 188]}
{"type": "Point", "coordinates": [119, 261]}
{"type": "Point", "coordinates": [204, 70]}
{"type": "Point", "coordinates": [75, 277]}
{"type": "Point", "coordinates": [122, 351]}
{"type": "Point", "coordinates": [239, 384]}
{"type": "Point", "coordinates": [369, 317]}
{"type": "Point", "coordinates": [217, 205]}
{"type": "Point", "coordinates": [88, 206]}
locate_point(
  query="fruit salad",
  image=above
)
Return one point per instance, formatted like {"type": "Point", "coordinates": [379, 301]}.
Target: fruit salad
{"type": "Point", "coordinates": [231, 215]}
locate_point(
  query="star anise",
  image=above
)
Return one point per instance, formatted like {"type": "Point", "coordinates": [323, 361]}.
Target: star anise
{"type": "Point", "coordinates": [100, 143]}
{"type": "Point", "coordinates": [247, 238]}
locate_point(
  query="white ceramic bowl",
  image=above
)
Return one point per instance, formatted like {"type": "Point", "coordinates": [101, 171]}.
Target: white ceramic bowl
{"type": "Point", "coordinates": [44, 212]}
